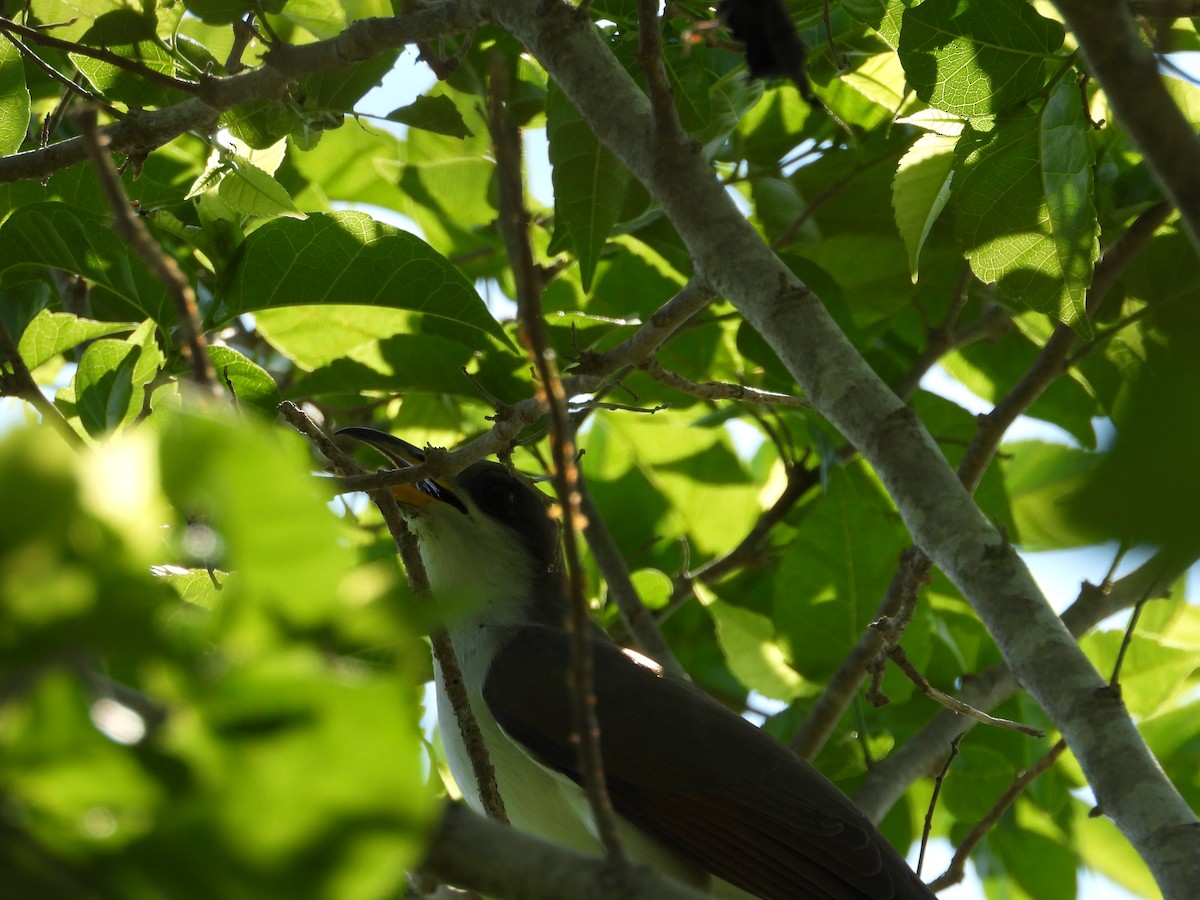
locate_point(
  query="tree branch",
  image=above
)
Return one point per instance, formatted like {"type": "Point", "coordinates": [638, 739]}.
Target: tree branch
{"type": "Point", "coordinates": [469, 851]}
{"type": "Point", "coordinates": [938, 511]}
{"type": "Point", "coordinates": [146, 130]}
{"type": "Point", "coordinates": [713, 390]}
{"type": "Point", "coordinates": [1128, 71]}
{"type": "Point", "coordinates": [1049, 365]}
{"type": "Point", "coordinates": [37, 36]}
{"type": "Point", "coordinates": [135, 234]}
{"type": "Point", "coordinates": [514, 228]}
{"type": "Point", "coordinates": [592, 370]}
{"type": "Point", "coordinates": [887, 781]}
{"type": "Point", "coordinates": [957, 868]}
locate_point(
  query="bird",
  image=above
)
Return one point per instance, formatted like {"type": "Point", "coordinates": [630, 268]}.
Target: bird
{"type": "Point", "coordinates": [699, 793]}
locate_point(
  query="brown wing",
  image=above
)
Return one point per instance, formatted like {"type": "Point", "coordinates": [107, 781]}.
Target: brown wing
{"type": "Point", "coordinates": [736, 803]}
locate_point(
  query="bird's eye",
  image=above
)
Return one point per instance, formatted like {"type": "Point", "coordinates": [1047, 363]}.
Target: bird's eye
{"type": "Point", "coordinates": [499, 499]}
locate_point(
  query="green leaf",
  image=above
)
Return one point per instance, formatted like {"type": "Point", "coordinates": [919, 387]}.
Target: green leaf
{"type": "Point", "coordinates": [1166, 271]}
{"type": "Point", "coordinates": [1042, 865]}
{"type": "Point", "coordinates": [338, 90]}
{"type": "Point", "coordinates": [830, 582]}
{"type": "Point", "coordinates": [261, 123]}
{"type": "Point", "coordinates": [250, 382]}
{"type": "Point", "coordinates": [21, 303]}
{"type": "Point", "coordinates": [880, 79]}
{"type": "Point", "coordinates": [55, 235]}
{"type": "Point", "coordinates": [352, 165]}
{"type": "Point", "coordinates": [104, 388]}
{"type": "Point", "coordinates": [869, 12]}
{"type": "Point", "coordinates": [348, 258]}
{"type": "Point", "coordinates": [247, 189]}
{"type": "Point", "coordinates": [1037, 478]}
{"type": "Point", "coordinates": [226, 12]}
{"type": "Point", "coordinates": [230, 473]}
{"type": "Point", "coordinates": [866, 267]}
{"type": "Point", "coordinates": [770, 128]}
{"type": "Point", "coordinates": [450, 188]}
{"type": "Point", "coordinates": [111, 377]}
{"type": "Point", "coordinates": [323, 18]}
{"type": "Point", "coordinates": [753, 652]}
{"type": "Point", "coordinates": [653, 587]}
{"type": "Point", "coordinates": [130, 35]}
{"type": "Point", "coordinates": [1153, 670]}
{"type": "Point", "coordinates": [403, 363]}
{"type": "Point", "coordinates": [921, 190]}
{"type": "Point", "coordinates": [977, 777]}
{"type": "Point", "coordinates": [14, 99]}
{"type": "Point", "coordinates": [691, 79]}
{"type": "Point", "coordinates": [1145, 489]}
{"type": "Point", "coordinates": [53, 333]}
{"type": "Point", "coordinates": [246, 688]}
{"type": "Point", "coordinates": [1067, 160]}
{"type": "Point", "coordinates": [1024, 212]}
{"type": "Point", "coordinates": [976, 59]}
{"type": "Point", "coordinates": [589, 182]}
{"type": "Point", "coordinates": [436, 113]}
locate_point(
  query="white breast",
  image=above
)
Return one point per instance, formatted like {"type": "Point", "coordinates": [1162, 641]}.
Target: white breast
{"type": "Point", "coordinates": [477, 566]}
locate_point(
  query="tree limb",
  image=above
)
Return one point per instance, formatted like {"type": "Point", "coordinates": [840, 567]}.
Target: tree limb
{"type": "Point", "coordinates": [1050, 364]}
{"type": "Point", "coordinates": [887, 781]}
{"type": "Point", "coordinates": [1128, 71]}
{"type": "Point", "coordinates": [146, 130]}
{"type": "Point", "coordinates": [469, 851]}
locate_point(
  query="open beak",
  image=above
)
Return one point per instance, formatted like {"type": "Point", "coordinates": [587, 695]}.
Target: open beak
{"type": "Point", "coordinates": [402, 454]}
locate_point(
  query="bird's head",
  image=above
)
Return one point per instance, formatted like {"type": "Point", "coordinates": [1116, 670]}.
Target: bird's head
{"type": "Point", "coordinates": [486, 535]}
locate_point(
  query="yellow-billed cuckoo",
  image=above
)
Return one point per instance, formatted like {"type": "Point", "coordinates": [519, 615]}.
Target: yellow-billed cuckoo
{"type": "Point", "coordinates": [700, 793]}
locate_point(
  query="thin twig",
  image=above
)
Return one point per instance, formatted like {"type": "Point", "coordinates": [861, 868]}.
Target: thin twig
{"type": "Point", "coordinates": [361, 40]}
{"type": "Point", "coordinates": [19, 383]}
{"type": "Point", "coordinates": [649, 57]}
{"type": "Point", "coordinates": [131, 228]}
{"type": "Point", "coordinates": [839, 59]}
{"type": "Point", "coordinates": [715, 390]}
{"type": "Point", "coordinates": [583, 406]}
{"type": "Point", "coordinates": [898, 656]}
{"type": "Point", "coordinates": [1127, 639]}
{"type": "Point", "coordinates": [243, 33]}
{"type": "Point", "coordinates": [60, 77]}
{"type": "Point", "coordinates": [40, 37]}
{"type": "Point", "coordinates": [514, 227]}
{"type": "Point", "coordinates": [937, 790]}
{"type": "Point", "coordinates": [656, 331]}
{"type": "Point", "coordinates": [957, 869]}
{"type": "Point", "coordinates": [443, 650]}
